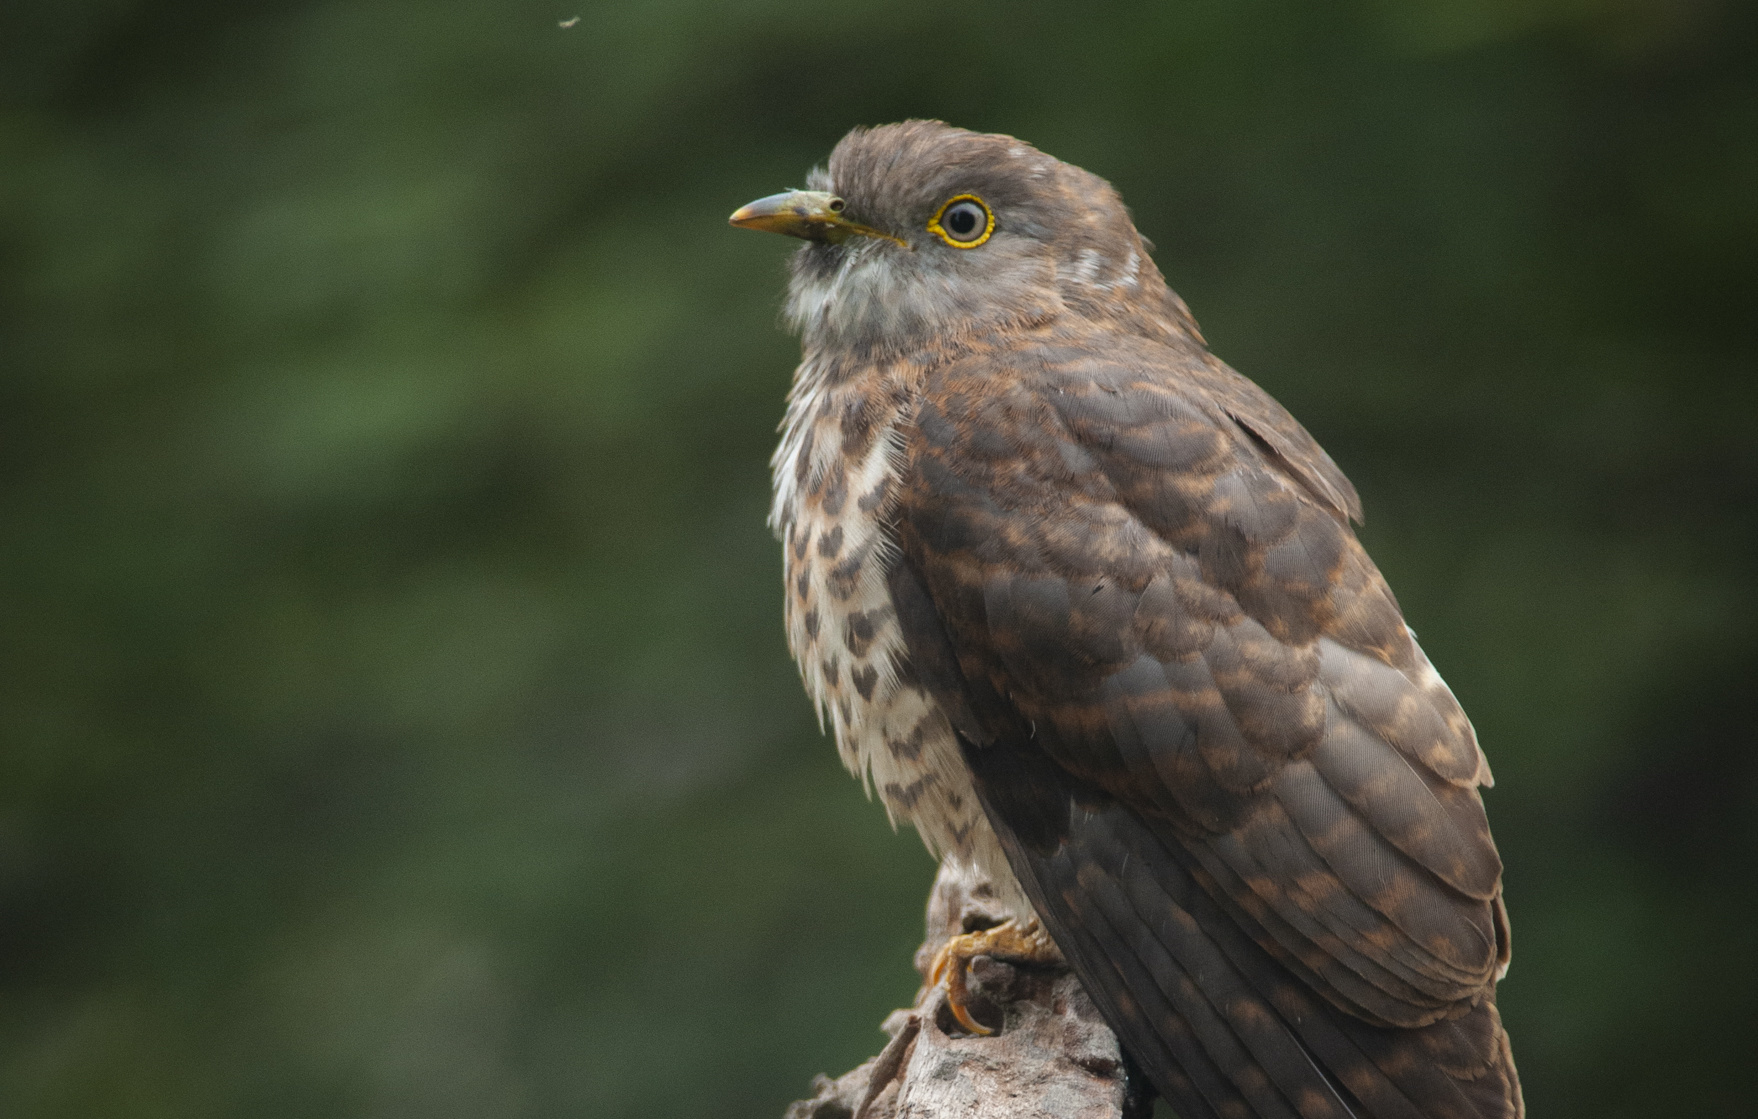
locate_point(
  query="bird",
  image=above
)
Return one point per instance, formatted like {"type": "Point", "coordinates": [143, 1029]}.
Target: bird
{"type": "Point", "coordinates": [1086, 607]}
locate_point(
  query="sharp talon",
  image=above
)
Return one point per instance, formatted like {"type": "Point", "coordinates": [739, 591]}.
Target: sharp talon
{"type": "Point", "coordinates": [1024, 944]}
{"type": "Point", "coordinates": [937, 970]}
{"type": "Point", "coordinates": [957, 957]}
{"type": "Point", "coordinates": [965, 1019]}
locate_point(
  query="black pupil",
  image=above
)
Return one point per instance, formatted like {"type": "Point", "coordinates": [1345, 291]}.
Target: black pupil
{"type": "Point", "coordinates": [961, 220]}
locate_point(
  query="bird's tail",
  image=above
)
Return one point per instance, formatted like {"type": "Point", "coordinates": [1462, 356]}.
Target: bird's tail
{"type": "Point", "coordinates": [1222, 1027]}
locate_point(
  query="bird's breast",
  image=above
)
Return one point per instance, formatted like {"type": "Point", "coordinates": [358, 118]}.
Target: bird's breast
{"type": "Point", "coordinates": [836, 475]}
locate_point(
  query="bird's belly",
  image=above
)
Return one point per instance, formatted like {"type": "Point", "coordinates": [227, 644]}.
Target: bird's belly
{"type": "Point", "coordinates": [833, 491]}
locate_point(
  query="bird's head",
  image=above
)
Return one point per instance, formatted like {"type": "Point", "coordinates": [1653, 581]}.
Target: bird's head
{"type": "Point", "coordinates": [919, 233]}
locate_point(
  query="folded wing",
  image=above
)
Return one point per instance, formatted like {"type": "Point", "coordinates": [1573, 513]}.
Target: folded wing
{"type": "Point", "coordinates": [1236, 790]}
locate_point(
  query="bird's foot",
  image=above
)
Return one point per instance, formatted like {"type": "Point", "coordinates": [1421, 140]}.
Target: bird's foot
{"type": "Point", "coordinates": [1011, 941]}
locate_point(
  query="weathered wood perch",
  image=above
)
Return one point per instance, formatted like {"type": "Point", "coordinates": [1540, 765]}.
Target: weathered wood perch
{"type": "Point", "coordinates": [1052, 1057]}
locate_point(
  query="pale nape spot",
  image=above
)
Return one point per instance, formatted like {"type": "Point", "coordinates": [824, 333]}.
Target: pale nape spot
{"type": "Point", "coordinates": [1086, 267]}
{"type": "Point", "coordinates": [1090, 269]}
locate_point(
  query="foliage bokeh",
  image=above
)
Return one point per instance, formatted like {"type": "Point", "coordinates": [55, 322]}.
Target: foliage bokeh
{"type": "Point", "coordinates": [394, 710]}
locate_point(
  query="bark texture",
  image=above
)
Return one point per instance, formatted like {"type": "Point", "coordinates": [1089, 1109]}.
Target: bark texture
{"type": "Point", "coordinates": [1053, 1056]}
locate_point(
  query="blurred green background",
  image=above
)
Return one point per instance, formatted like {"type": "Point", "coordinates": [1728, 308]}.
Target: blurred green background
{"type": "Point", "coordinates": [394, 713]}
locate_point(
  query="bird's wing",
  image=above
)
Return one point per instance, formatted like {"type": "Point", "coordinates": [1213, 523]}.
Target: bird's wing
{"type": "Point", "coordinates": [1237, 792]}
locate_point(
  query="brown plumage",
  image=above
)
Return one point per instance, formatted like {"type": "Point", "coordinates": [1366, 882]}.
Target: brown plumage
{"type": "Point", "coordinates": [1085, 605]}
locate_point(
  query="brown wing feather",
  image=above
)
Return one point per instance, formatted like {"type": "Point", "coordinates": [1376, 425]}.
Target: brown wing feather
{"type": "Point", "coordinates": [1139, 568]}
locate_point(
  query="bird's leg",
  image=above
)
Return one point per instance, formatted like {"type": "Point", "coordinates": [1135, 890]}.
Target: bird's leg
{"type": "Point", "coordinates": [1011, 941]}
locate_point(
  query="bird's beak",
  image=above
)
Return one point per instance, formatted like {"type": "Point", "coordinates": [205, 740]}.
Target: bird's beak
{"type": "Point", "coordinates": [813, 215]}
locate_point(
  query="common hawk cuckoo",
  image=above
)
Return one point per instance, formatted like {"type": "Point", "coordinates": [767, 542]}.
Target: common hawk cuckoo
{"type": "Point", "coordinates": [1085, 606]}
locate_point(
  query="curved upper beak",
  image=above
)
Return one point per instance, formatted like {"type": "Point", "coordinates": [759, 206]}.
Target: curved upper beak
{"type": "Point", "coordinates": [813, 215]}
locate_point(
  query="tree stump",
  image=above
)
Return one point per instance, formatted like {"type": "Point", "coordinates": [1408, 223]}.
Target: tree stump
{"type": "Point", "coordinates": [1052, 1057]}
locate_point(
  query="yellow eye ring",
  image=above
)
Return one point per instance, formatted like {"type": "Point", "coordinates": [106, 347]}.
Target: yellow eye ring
{"type": "Point", "coordinates": [964, 204]}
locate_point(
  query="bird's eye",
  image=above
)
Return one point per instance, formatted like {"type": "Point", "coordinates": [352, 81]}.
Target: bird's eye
{"type": "Point", "coordinates": [964, 222]}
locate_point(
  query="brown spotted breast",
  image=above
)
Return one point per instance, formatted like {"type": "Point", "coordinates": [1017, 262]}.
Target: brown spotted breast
{"type": "Point", "coordinates": [836, 478]}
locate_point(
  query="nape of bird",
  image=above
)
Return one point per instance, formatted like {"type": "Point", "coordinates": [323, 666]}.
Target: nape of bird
{"type": "Point", "coordinates": [1084, 605]}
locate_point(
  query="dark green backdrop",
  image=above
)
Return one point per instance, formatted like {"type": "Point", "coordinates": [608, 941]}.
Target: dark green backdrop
{"type": "Point", "coordinates": [394, 715]}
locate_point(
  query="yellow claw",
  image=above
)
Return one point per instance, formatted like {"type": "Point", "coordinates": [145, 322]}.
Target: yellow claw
{"type": "Point", "coordinates": [1025, 944]}
{"type": "Point", "coordinates": [965, 1019]}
